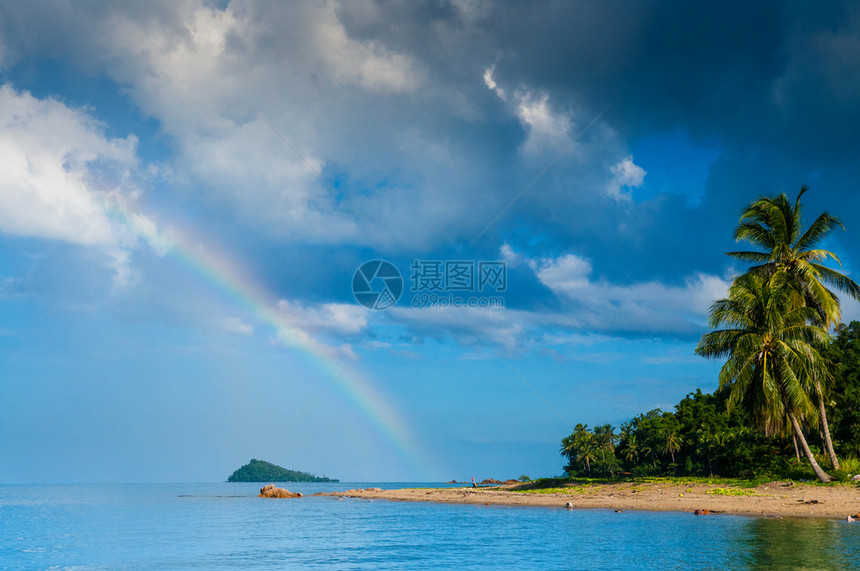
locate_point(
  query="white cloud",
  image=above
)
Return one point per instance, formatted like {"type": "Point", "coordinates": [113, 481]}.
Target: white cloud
{"type": "Point", "coordinates": [547, 129]}
{"type": "Point", "coordinates": [567, 273]}
{"type": "Point", "coordinates": [62, 179]}
{"type": "Point", "coordinates": [317, 327]}
{"type": "Point", "coordinates": [511, 257]}
{"type": "Point", "coordinates": [392, 124]}
{"type": "Point", "coordinates": [48, 155]}
{"type": "Point", "coordinates": [625, 175]}
{"type": "Point", "coordinates": [222, 81]}
{"type": "Point", "coordinates": [642, 306]}
{"type": "Point", "coordinates": [589, 312]}
{"type": "Point", "coordinates": [236, 325]}
{"type": "Point", "coordinates": [491, 83]}
{"type": "Point", "coordinates": [124, 275]}
{"type": "Point", "coordinates": [367, 63]}
{"type": "Point", "coordinates": [336, 318]}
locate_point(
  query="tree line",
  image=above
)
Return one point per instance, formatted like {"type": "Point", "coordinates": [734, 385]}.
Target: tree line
{"type": "Point", "coordinates": [787, 386]}
{"type": "Point", "coordinates": [262, 471]}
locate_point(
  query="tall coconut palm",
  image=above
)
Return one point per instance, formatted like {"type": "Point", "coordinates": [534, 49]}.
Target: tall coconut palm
{"type": "Point", "coordinates": [671, 444]}
{"type": "Point", "coordinates": [771, 353]}
{"type": "Point", "coordinates": [575, 445]}
{"type": "Point", "coordinates": [568, 447]}
{"type": "Point", "coordinates": [646, 451]}
{"type": "Point", "coordinates": [604, 436]}
{"type": "Point", "coordinates": [775, 225]}
{"type": "Point", "coordinates": [588, 454]}
{"type": "Point", "coordinates": [631, 452]}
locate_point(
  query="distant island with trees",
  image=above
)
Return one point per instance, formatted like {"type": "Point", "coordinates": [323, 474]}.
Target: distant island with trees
{"type": "Point", "coordinates": [262, 471]}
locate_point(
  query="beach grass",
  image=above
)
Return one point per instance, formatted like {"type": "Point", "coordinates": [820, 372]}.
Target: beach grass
{"type": "Point", "coordinates": [734, 486]}
{"type": "Point", "coordinates": [587, 489]}
{"type": "Point", "coordinates": [731, 492]}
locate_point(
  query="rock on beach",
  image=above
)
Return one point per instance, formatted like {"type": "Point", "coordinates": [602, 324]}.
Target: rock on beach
{"type": "Point", "coordinates": [272, 491]}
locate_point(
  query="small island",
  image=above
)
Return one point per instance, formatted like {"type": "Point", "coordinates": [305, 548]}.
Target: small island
{"type": "Point", "coordinates": [262, 471]}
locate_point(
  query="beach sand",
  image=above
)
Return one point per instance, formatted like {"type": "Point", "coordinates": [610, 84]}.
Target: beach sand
{"type": "Point", "coordinates": [774, 499]}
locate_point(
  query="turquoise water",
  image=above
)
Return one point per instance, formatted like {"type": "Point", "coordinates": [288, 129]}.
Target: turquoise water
{"type": "Point", "coordinates": [225, 526]}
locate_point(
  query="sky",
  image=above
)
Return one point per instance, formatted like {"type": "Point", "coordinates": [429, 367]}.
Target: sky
{"type": "Point", "coordinates": [188, 190]}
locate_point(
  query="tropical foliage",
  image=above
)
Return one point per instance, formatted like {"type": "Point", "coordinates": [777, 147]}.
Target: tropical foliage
{"type": "Point", "coordinates": [771, 354]}
{"type": "Point", "coordinates": [715, 441]}
{"type": "Point", "coordinates": [844, 404]}
{"type": "Point", "coordinates": [591, 452]}
{"type": "Point", "coordinates": [774, 225]}
{"type": "Point", "coordinates": [700, 438]}
{"type": "Point", "coordinates": [785, 384]}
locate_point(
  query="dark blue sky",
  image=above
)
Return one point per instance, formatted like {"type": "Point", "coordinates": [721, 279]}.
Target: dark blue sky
{"type": "Point", "coordinates": [187, 189]}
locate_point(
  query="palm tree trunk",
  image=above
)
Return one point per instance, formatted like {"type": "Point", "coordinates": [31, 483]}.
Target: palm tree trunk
{"type": "Point", "coordinates": [796, 449]}
{"type": "Point", "coordinates": [821, 474]}
{"type": "Point", "coordinates": [826, 429]}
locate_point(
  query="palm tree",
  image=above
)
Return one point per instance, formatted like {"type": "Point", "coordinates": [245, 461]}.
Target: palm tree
{"type": "Point", "coordinates": [631, 453]}
{"type": "Point", "coordinates": [568, 447]}
{"type": "Point", "coordinates": [605, 437]}
{"type": "Point", "coordinates": [579, 446]}
{"type": "Point", "coordinates": [646, 451]}
{"type": "Point", "coordinates": [580, 433]}
{"type": "Point", "coordinates": [671, 445]}
{"type": "Point", "coordinates": [625, 431]}
{"type": "Point", "coordinates": [588, 454]}
{"type": "Point", "coordinates": [774, 224]}
{"type": "Point", "coordinates": [771, 350]}
{"type": "Point", "coordinates": [706, 442]}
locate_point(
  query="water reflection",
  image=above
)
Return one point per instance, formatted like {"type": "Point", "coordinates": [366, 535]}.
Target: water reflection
{"type": "Point", "coordinates": [801, 543]}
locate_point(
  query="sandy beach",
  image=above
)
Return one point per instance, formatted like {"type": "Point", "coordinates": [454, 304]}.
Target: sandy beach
{"type": "Point", "coordinates": [774, 499]}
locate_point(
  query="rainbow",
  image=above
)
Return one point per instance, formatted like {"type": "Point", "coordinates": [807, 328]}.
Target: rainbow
{"type": "Point", "coordinates": [215, 268]}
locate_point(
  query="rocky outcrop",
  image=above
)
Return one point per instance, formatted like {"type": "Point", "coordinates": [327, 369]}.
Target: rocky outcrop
{"type": "Point", "coordinates": [271, 491]}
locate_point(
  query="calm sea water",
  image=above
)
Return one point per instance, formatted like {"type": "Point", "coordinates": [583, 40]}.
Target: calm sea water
{"type": "Point", "coordinates": [225, 526]}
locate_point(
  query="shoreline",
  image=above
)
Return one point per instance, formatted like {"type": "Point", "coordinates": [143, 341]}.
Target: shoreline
{"type": "Point", "coordinates": [773, 499]}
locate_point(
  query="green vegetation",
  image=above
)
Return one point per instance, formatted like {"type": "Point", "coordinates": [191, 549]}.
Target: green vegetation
{"type": "Point", "coordinates": [844, 407]}
{"type": "Point", "coordinates": [730, 492]}
{"type": "Point", "coordinates": [261, 471]}
{"type": "Point", "coordinates": [772, 355]}
{"type": "Point", "coordinates": [565, 490]}
{"type": "Point", "coordinates": [786, 384]}
{"type": "Point", "coordinates": [704, 438]}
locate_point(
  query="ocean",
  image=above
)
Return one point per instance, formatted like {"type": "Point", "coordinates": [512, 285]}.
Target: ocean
{"type": "Point", "coordinates": [225, 526]}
